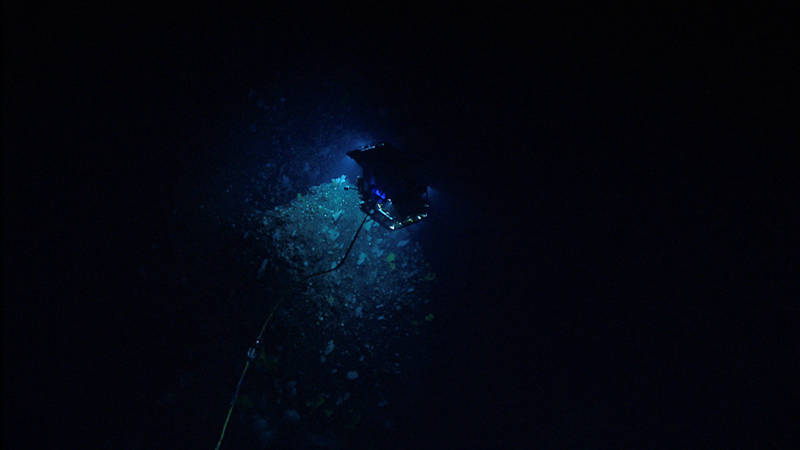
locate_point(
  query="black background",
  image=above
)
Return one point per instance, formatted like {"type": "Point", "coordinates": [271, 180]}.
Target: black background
{"type": "Point", "coordinates": [631, 270]}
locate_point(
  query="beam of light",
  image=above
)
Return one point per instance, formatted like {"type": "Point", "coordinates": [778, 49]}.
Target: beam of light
{"type": "Point", "coordinates": [340, 163]}
{"type": "Point", "coordinates": [344, 165]}
{"type": "Point", "coordinates": [433, 195]}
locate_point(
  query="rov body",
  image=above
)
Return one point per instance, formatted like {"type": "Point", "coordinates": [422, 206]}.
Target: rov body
{"type": "Point", "coordinates": [391, 187]}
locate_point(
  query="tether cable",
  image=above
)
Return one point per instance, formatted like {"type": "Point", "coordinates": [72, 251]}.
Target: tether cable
{"type": "Point", "coordinates": [251, 352]}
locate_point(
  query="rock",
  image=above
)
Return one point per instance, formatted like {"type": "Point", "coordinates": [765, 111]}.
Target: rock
{"type": "Point", "coordinates": [291, 416]}
{"type": "Point", "coordinates": [332, 234]}
{"type": "Point", "coordinates": [352, 375]}
{"type": "Point", "coordinates": [262, 430]}
{"type": "Point", "coordinates": [342, 398]}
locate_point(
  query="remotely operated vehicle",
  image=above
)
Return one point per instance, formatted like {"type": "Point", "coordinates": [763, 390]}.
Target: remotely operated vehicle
{"type": "Point", "coordinates": [392, 187]}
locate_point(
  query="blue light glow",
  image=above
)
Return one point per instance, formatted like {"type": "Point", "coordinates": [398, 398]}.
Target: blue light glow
{"type": "Point", "coordinates": [356, 140]}
{"type": "Point", "coordinates": [433, 195]}
{"type": "Point", "coordinates": [379, 193]}
{"type": "Point", "coordinates": [344, 165]}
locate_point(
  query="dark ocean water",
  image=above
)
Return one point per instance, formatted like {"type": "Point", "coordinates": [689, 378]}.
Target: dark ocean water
{"type": "Point", "coordinates": [611, 230]}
